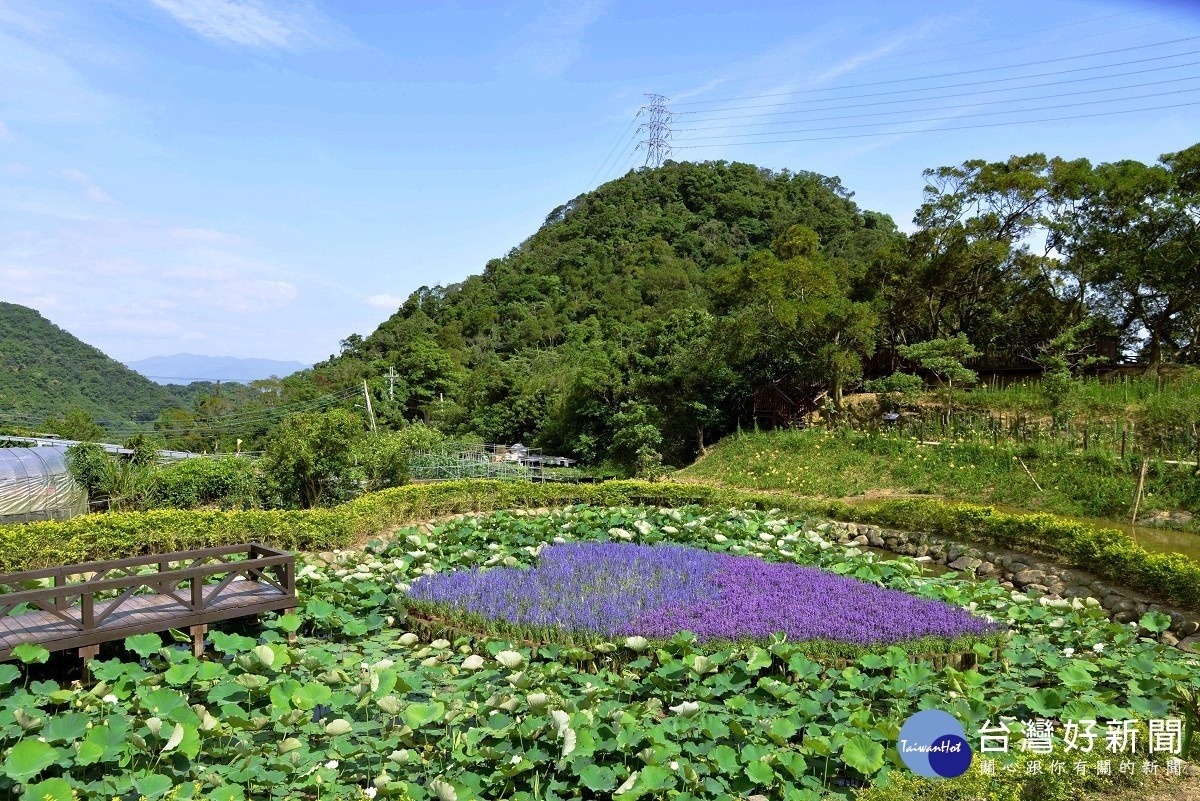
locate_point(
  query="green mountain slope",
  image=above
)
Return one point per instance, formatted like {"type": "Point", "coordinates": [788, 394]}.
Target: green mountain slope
{"type": "Point", "coordinates": [45, 370]}
{"type": "Point", "coordinates": [607, 334]}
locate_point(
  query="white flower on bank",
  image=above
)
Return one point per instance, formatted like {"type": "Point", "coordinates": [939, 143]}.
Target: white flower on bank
{"type": "Point", "coordinates": [1098, 647]}
{"type": "Point", "coordinates": [1068, 652]}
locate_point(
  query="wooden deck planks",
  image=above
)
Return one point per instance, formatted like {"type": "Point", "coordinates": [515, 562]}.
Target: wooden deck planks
{"type": "Point", "coordinates": [139, 614]}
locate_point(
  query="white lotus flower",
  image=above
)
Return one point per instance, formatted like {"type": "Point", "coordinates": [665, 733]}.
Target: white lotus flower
{"type": "Point", "coordinates": [685, 709]}
{"type": "Point", "coordinates": [332, 764]}
{"type": "Point", "coordinates": [473, 662]}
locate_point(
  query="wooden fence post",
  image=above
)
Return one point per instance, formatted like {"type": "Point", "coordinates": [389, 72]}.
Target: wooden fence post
{"type": "Point", "coordinates": [1137, 498]}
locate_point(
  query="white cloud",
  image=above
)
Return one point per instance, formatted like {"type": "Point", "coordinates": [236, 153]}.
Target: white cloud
{"type": "Point", "coordinates": [5, 133]}
{"type": "Point", "coordinates": [253, 23]}
{"type": "Point", "coordinates": [385, 301]}
{"type": "Point", "coordinates": [90, 190]}
{"type": "Point", "coordinates": [15, 170]}
{"type": "Point", "coordinates": [134, 325]}
{"type": "Point", "coordinates": [198, 234]}
{"type": "Point", "coordinates": [246, 296]}
{"type": "Point", "coordinates": [554, 41]}
{"type": "Point", "coordinates": [212, 274]}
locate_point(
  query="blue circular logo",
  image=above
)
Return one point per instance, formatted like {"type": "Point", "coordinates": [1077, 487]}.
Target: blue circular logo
{"type": "Point", "coordinates": [932, 743]}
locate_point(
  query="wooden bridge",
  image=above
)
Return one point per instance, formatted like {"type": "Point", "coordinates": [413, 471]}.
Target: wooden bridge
{"type": "Point", "coordinates": [99, 602]}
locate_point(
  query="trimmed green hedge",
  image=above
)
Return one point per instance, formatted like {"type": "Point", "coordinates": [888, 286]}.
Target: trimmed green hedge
{"type": "Point", "coordinates": [1108, 553]}
{"type": "Point", "coordinates": [120, 534]}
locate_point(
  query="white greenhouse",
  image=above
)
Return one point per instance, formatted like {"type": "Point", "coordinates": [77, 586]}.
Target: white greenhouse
{"type": "Point", "coordinates": [35, 484]}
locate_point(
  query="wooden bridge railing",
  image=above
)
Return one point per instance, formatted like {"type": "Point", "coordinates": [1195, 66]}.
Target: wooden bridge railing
{"type": "Point", "coordinates": [80, 609]}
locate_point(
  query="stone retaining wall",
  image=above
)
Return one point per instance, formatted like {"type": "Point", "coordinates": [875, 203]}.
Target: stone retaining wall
{"type": "Point", "coordinates": [1026, 573]}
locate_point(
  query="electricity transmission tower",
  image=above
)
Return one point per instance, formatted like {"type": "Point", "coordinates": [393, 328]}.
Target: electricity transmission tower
{"type": "Point", "coordinates": [657, 128]}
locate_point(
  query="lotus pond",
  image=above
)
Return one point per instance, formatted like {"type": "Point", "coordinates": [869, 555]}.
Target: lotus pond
{"type": "Point", "coordinates": [368, 705]}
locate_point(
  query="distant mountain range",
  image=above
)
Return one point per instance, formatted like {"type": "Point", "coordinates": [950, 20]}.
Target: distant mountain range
{"type": "Point", "coordinates": [184, 368]}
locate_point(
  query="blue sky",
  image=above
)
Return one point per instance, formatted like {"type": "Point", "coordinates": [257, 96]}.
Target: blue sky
{"type": "Point", "coordinates": [264, 177]}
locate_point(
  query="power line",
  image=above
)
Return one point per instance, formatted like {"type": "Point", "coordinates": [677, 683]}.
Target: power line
{"type": "Point", "coordinates": [1006, 51]}
{"type": "Point", "coordinates": [622, 137]}
{"type": "Point", "coordinates": [893, 92]}
{"type": "Point", "coordinates": [212, 380]}
{"type": "Point", "coordinates": [1024, 36]}
{"type": "Point", "coordinates": [950, 96]}
{"type": "Point", "coordinates": [945, 74]}
{"type": "Point", "coordinates": [248, 417]}
{"type": "Point", "coordinates": [945, 108]}
{"type": "Point", "coordinates": [942, 119]}
{"type": "Point", "coordinates": [953, 128]}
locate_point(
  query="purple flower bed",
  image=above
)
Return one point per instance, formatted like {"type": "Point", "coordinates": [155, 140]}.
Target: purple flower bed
{"type": "Point", "coordinates": [657, 590]}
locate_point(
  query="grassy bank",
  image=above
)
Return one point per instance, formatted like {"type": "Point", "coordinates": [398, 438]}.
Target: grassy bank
{"type": "Point", "coordinates": [1036, 476]}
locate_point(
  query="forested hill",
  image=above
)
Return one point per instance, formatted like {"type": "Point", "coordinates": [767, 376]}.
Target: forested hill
{"type": "Point", "coordinates": [45, 370]}
{"type": "Point", "coordinates": [654, 314]}
{"type": "Point", "coordinates": [602, 328]}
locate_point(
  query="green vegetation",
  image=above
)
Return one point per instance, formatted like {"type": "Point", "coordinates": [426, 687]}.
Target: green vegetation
{"type": "Point", "coordinates": [652, 316]}
{"type": "Point", "coordinates": [312, 459]}
{"type": "Point", "coordinates": [836, 463]}
{"type": "Point", "coordinates": [46, 371]}
{"type": "Point", "coordinates": [644, 317]}
{"type": "Point", "coordinates": [360, 702]}
{"type": "Point", "coordinates": [1106, 552]}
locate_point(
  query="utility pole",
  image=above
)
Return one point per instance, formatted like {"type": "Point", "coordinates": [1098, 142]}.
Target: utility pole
{"type": "Point", "coordinates": [657, 127]}
{"type": "Point", "coordinates": [370, 411]}
{"type": "Point", "coordinates": [391, 383]}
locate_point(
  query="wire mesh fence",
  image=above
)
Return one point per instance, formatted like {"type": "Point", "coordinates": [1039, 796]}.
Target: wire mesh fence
{"type": "Point", "coordinates": [453, 461]}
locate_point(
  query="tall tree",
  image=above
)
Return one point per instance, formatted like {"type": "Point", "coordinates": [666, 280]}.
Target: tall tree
{"type": "Point", "coordinates": [792, 313]}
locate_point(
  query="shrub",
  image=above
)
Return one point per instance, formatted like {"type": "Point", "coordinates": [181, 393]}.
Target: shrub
{"type": "Point", "coordinates": [229, 482]}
